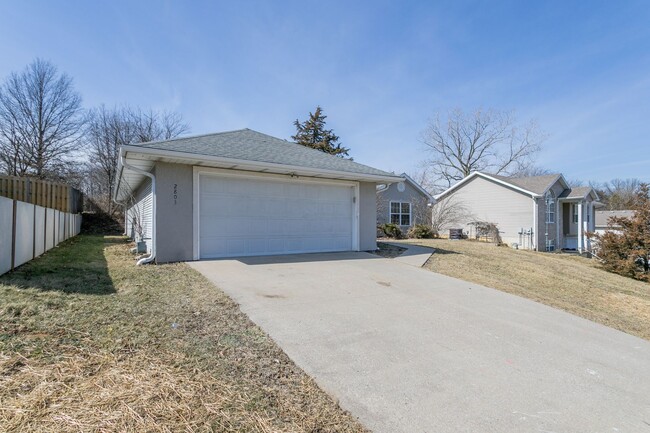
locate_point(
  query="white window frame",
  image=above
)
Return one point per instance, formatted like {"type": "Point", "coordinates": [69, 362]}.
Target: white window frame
{"type": "Point", "coordinates": [400, 213]}
{"type": "Point", "coordinates": [550, 245]}
{"type": "Point", "coordinates": [550, 201]}
{"type": "Point", "coordinates": [574, 213]}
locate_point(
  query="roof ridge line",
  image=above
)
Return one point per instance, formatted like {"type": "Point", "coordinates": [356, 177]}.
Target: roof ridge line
{"type": "Point", "coordinates": [186, 137]}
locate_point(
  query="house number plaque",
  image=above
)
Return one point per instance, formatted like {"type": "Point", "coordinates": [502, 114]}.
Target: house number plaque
{"type": "Point", "coordinates": [175, 192]}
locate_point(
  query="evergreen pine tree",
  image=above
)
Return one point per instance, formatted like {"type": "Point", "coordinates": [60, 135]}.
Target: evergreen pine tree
{"type": "Point", "coordinates": [312, 133]}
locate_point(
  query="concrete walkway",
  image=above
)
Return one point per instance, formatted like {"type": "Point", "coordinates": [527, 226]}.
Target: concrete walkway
{"type": "Point", "coordinates": [414, 255]}
{"type": "Point", "coordinates": [408, 350]}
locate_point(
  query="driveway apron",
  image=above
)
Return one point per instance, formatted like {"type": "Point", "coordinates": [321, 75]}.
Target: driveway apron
{"type": "Point", "coordinates": [408, 350]}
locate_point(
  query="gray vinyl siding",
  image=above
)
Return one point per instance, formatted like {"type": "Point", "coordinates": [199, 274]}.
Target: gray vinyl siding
{"type": "Point", "coordinates": [489, 201]}
{"type": "Point", "coordinates": [143, 208]}
{"type": "Point", "coordinates": [367, 216]}
{"type": "Point", "coordinates": [174, 208]}
{"type": "Point", "coordinates": [420, 213]}
{"type": "Point", "coordinates": [175, 212]}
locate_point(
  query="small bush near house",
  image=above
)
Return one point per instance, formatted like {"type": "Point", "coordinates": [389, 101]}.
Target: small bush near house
{"type": "Point", "coordinates": [391, 230]}
{"type": "Point", "coordinates": [420, 231]}
{"type": "Point", "coordinates": [628, 252]}
{"type": "Point", "coordinates": [487, 231]}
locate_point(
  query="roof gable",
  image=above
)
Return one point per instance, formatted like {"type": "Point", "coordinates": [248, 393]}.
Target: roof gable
{"type": "Point", "coordinates": [417, 186]}
{"type": "Point", "coordinates": [500, 180]}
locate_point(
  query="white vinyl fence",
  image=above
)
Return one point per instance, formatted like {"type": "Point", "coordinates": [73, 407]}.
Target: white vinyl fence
{"type": "Point", "coordinates": [28, 230]}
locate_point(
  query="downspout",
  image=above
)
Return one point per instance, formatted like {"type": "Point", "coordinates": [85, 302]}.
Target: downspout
{"type": "Point", "coordinates": [152, 256]}
{"type": "Point", "coordinates": [533, 235]}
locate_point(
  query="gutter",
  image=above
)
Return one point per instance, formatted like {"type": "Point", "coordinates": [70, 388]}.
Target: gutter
{"type": "Point", "coordinates": [258, 166]}
{"type": "Point", "coordinates": [534, 236]}
{"type": "Point", "coordinates": [124, 165]}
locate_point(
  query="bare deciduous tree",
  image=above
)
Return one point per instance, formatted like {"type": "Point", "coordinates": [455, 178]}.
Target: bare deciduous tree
{"type": "Point", "coordinates": [490, 141]}
{"type": "Point", "coordinates": [534, 170]}
{"type": "Point", "coordinates": [152, 125]}
{"type": "Point", "coordinates": [40, 121]}
{"type": "Point", "coordinates": [109, 129]}
{"type": "Point", "coordinates": [618, 194]}
{"type": "Point", "coordinates": [448, 212]}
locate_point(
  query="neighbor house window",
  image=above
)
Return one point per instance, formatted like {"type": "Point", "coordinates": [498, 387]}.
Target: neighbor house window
{"type": "Point", "coordinates": [550, 208]}
{"type": "Point", "coordinates": [400, 213]}
{"type": "Point", "coordinates": [550, 245]}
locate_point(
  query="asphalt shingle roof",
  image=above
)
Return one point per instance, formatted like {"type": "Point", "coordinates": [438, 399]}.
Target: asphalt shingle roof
{"type": "Point", "coordinates": [536, 184]}
{"type": "Point", "coordinates": [603, 216]}
{"type": "Point", "coordinates": [576, 192]}
{"type": "Point", "coordinates": [249, 145]}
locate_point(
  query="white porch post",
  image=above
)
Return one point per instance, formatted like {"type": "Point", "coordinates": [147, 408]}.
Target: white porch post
{"type": "Point", "coordinates": [559, 219]}
{"type": "Point", "coordinates": [581, 232]}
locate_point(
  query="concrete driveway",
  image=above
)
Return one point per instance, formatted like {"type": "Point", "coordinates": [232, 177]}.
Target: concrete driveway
{"type": "Point", "coordinates": [408, 350]}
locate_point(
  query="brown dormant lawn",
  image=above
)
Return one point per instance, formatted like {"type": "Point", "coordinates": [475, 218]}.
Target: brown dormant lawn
{"type": "Point", "coordinates": [90, 342]}
{"type": "Point", "coordinates": [574, 284]}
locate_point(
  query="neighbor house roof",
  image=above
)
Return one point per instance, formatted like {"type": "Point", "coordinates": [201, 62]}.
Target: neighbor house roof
{"type": "Point", "coordinates": [576, 192]}
{"type": "Point", "coordinates": [246, 149]}
{"type": "Point", "coordinates": [535, 186]}
{"type": "Point", "coordinates": [603, 216]}
{"type": "Point", "coordinates": [408, 179]}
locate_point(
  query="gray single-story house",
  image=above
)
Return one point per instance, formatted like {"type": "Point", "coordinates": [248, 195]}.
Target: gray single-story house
{"type": "Point", "coordinates": [603, 216]}
{"type": "Point", "coordinates": [403, 203]}
{"type": "Point", "coordinates": [540, 213]}
{"type": "Point", "coordinates": [244, 193]}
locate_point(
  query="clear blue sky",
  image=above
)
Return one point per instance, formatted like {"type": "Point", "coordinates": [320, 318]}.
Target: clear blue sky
{"type": "Point", "coordinates": [379, 69]}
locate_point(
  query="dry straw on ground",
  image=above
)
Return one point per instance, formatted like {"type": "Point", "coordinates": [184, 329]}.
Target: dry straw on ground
{"type": "Point", "coordinates": [102, 346]}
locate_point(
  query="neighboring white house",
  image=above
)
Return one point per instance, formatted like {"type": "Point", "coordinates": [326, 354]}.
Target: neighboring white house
{"type": "Point", "coordinates": [603, 217]}
{"type": "Point", "coordinates": [541, 213]}
{"type": "Point", "coordinates": [403, 203]}
{"type": "Point", "coordinates": [244, 193]}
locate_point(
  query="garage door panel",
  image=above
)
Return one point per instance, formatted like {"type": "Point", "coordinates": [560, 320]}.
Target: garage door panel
{"type": "Point", "coordinates": [239, 217]}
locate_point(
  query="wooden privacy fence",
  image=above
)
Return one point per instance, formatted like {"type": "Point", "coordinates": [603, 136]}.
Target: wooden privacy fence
{"type": "Point", "coordinates": [51, 195]}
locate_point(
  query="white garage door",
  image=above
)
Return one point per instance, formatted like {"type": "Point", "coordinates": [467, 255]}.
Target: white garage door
{"type": "Point", "coordinates": [264, 216]}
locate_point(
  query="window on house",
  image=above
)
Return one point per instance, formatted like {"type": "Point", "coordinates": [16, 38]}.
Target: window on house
{"type": "Point", "coordinates": [550, 245]}
{"type": "Point", "coordinates": [575, 213]}
{"type": "Point", "coordinates": [400, 213]}
{"type": "Point", "coordinates": [550, 208]}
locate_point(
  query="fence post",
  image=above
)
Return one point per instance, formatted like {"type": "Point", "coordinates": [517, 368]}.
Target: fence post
{"type": "Point", "coordinates": [34, 234]}
{"type": "Point", "coordinates": [13, 235]}
{"type": "Point", "coordinates": [45, 232]}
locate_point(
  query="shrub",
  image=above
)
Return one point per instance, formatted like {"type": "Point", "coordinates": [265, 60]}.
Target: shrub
{"type": "Point", "coordinates": [420, 231]}
{"type": "Point", "coordinates": [488, 231]}
{"type": "Point", "coordinates": [391, 230]}
{"type": "Point", "coordinates": [628, 252]}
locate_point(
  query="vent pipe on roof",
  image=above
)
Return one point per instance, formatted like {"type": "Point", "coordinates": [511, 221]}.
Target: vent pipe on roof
{"type": "Point", "coordinates": [152, 256]}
